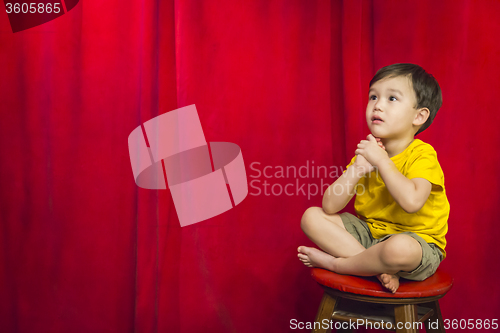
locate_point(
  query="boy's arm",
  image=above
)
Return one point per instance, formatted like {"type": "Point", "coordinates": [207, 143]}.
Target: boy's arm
{"type": "Point", "coordinates": [342, 190]}
{"type": "Point", "coordinates": [410, 194]}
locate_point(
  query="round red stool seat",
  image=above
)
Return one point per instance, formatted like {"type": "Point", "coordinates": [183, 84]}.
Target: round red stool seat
{"type": "Point", "coordinates": [350, 299]}
{"type": "Point", "coordinates": [438, 284]}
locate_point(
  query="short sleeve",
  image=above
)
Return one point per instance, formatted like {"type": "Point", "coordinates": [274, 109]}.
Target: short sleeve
{"type": "Point", "coordinates": [425, 165]}
{"type": "Point", "coordinates": [350, 163]}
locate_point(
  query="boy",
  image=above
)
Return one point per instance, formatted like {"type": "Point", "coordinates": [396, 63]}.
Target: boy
{"type": "Point", "coordinates": [401, 205]}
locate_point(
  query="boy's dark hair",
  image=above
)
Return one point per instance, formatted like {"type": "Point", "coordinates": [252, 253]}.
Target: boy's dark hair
{"type": "Point", "coordinates": [424, 84]}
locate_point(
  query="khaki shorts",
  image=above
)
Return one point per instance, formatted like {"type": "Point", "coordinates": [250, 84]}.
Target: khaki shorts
{"type": "Point", "coordinates": [431, 255]}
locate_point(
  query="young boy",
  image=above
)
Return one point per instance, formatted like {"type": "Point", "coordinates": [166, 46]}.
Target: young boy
{"type": "Point", "coordinates": [401, 205]}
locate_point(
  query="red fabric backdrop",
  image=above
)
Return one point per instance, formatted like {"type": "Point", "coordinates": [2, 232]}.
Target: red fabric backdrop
{"type": "Point", "coordinates": [83, 249]}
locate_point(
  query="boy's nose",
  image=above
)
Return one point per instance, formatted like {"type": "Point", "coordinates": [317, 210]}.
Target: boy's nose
{"type": "Point", "coordinates": [378, 105]}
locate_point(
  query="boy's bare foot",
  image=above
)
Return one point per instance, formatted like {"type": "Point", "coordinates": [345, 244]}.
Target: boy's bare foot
{"type": "Point", "coordinates": [389, 281]}
{"type": "Point", "coordinates": [312, 257]}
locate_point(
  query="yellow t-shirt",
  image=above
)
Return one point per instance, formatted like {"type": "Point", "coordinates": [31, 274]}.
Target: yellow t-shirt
{"type": "Point", "coordinates": [375, 205]}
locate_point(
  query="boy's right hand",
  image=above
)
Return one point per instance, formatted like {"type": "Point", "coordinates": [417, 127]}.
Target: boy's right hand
{"type": "Point", "coordinates": [362, 165]}
{"type": "Point", "coordinates": [379, 141]}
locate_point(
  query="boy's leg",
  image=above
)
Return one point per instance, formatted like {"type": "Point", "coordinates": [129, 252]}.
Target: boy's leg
{"type": "Point", "coordinates": [329, 233]}
{"type": "Point", "coordinates": [397, 253]}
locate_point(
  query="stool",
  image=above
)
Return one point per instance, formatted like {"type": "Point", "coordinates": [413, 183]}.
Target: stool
{"type": "Point", "coordinates": [351, 301]}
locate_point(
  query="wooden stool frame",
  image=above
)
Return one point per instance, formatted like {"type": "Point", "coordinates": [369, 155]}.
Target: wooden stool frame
{"type": "Point", "coordinates": [405, 311]}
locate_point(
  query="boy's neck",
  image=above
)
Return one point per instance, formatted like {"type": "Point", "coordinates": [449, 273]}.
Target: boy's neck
{"type": "Point", "coordinates": [394, 147]}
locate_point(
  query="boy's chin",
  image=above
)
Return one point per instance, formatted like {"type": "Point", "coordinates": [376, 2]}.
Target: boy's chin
{"type": "Point", "coordinates": [378, 135]}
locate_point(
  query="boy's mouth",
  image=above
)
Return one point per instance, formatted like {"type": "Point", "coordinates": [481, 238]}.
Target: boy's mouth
{"type": "Point", "coordinates": [376, 119]}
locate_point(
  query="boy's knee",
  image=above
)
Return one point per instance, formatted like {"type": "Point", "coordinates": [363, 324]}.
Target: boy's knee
{"type": "Point", "coordinates": [401, 251]}
{"type": "Point", "coordinates": [308, 218]}
{"type": "Point", "coordinates": [311, 217]}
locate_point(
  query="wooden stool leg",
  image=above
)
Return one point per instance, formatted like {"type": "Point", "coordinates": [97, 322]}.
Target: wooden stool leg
{"type": "Point", "coordinates": [435, 322]}
{"type": "Point", "coordinates": [325, 311]}
{"type": "Point", "coordinates": [407, 318]}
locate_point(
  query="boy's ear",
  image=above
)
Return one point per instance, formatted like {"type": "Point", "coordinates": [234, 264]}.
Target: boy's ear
{"type": "Point", "coordinates": [421, 117]}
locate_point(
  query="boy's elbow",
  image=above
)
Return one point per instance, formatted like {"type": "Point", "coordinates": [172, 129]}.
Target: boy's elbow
{"type": "Point", "coordinates": [411, 211]}
{"type": "Point", "coordinates": [416, 200]}
{"type": "Point", "coordinates": [330, 211]}
{"type": "Point", "coordinates": [328, 208]}
{"type": "Point", "coordinates": [413, 206]}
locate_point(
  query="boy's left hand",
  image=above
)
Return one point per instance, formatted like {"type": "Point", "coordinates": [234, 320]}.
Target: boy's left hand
{"type": "Point", "coordinates": [371, 150]}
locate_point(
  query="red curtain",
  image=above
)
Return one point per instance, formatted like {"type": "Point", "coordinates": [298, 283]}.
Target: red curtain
{"type": "Point", "coordinates": [83, 249]}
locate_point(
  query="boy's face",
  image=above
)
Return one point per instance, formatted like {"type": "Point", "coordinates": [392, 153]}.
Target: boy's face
{"type": "Point", "coordinates": [392, 100]}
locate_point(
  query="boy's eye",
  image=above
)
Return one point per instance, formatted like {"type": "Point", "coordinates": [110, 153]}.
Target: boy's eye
{"type": "Point", "coordinates": [392, 98]}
